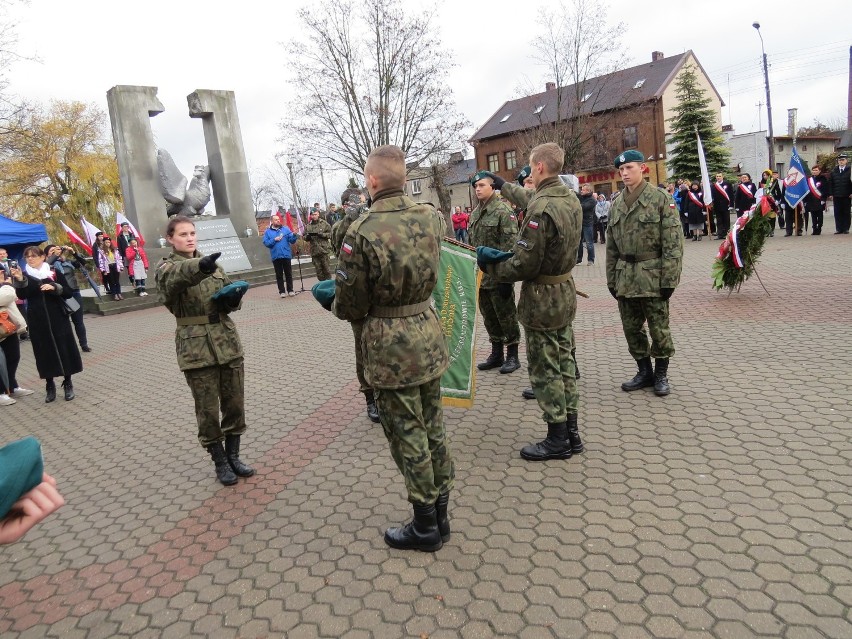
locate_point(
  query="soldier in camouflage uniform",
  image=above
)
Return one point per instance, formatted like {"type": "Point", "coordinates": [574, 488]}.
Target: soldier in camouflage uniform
{"type": "Point", "coordinates": [318, 234]}
{"type": "Point", "coordinates": [494, 224]}
{"type": "Point", "coordinates": [387, 270]}
{"type": "Point", "coordinates": [644, 257]}
{"type": "Point", "coordinates": [209, 351]}
{"type": "Point", "coordinates": [544, 255]}
{"type": "Point", "coordinates": [354, 208]}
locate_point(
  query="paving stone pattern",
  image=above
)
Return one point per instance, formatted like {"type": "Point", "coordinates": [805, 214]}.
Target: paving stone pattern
{"type": "Point", "coordinates": [720, 511]}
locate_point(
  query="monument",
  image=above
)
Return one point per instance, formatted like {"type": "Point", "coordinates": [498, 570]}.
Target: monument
{"type": "Point", "coordinates": [233, 229]}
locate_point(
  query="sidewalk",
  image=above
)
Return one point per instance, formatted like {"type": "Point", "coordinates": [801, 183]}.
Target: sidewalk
{"type": "Point", "coordinates": [720, 511]}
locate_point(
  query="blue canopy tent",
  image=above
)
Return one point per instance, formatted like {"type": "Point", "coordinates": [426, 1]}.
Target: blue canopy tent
{"type": "Point", "coordinates": [16, 236]}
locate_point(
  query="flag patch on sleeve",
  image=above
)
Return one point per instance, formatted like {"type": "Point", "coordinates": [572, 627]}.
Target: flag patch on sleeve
{"type": "Point", "coordinates": [533, 224]}
{"type": "Point", "coordinates": [346, 248]}
{"type": "Point", "coordinates": [671, 205]}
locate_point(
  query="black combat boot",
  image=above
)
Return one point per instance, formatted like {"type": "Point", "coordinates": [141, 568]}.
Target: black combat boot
{"type": "Point", "coordinates": [661, 381]}
{"type": "Point", "coordinates": [556, 445]}
{"type": "Point", "coordinates": [494, 360]}
{"type": "Point", "coordinates": [50, 391]}
{"type": "Point", "coordinates": [574, 436]}
{"type": "Point", "coordinates": [69, 389]}
{"type": "Point", "coordinates": [232, 452]}
{"type": "Point", "coordinates": [511, 364]}
{"type": "Point", "coordinates": [442, 517]}
{"type": "Point", "coordinates": [528, 393]}
{"type": "Point", "coordinates": [372, 409]}
{"type": "Point", "coordinates": [643, 379]}
{"type": "Point", "coordinates": [223, 469]}
{"type": "Point", "coordinates": [421, 533]}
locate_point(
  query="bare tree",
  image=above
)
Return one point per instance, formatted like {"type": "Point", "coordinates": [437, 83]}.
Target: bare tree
{"type": "Point", "coordinates": [579, 51]}
{"type": "Point", "coordinates": [370, 73]}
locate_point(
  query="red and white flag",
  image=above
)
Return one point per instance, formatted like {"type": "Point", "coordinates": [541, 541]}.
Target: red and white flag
{"type": "Point", "coordinates": [90, 230]}
{"type": "Point", "coordinates": [119, 220]}
{"type": "Point", "coordinates": [76, 238]}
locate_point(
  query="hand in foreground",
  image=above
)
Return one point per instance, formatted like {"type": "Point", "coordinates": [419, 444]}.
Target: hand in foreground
{"type": "Point", "coordinates": [30, 509]}
{"type": "Point", "coordinates": [498, 181]}
{"type": "Point", "coordinates": [207, 264]}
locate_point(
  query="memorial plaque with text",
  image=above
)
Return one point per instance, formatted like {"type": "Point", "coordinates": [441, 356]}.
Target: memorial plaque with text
{"type": "Point", "coordinates": [218, 235]}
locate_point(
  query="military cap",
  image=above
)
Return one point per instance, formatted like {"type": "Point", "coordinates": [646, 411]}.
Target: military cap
{"type": "Point", "coordinates": [323, 293]}
{"type": "Point", "coordinates": [229, 296]}
{"type": "Point", "coordinates": [843, 155]}
{"type": "Point", "coordinates": [629, 156]}
{"type": "Point", "coordinates": [22, 470]}
{"type": "Point", "coordinates": [479, 175]}
{"type": "Point", "coordinates": [524, 174]}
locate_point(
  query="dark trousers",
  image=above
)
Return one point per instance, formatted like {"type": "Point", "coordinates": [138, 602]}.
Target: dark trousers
{"type": "Point", "coordinates": [599, 232]}
{"type": "Point", "coordinates": [842, 215]}
{"type": "Point", "coordinates": [77, 319]}
{"type": "Point", "coordinates": [791, 215]}
{"type": "Point", "coordinates": [111, 282]}
{"type": "Point", "coordinates": [461, 235]}
{"type": "Point", "coordinates": [283, 269]}
{"type": "Point", "coordinates": [816, 221]}
{"type": "Point", "coordinates": [11, 350]}
{"type": "Point", "coordinates": [587, 238]}
{"type": "Point", "coordinates": [723, 221]}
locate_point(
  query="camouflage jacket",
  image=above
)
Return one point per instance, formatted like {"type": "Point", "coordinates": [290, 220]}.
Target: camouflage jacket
{"type": "Point", "coordinates": [546, 246]}
{"type": "Point", "coordinates": [186, 292]}
{"type": "Point", "coordinates": [493, 224]}
{"type": "Point", "coordinates": [644, 244]}
{"type": "Point", "coordinates": [338, 231]}
{"type": "Point", "coordinates": [319, 235]}
{"type": "Point", "coordinates": [389, 258]}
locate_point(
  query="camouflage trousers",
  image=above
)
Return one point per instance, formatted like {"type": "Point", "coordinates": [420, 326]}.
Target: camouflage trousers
{"type": "Point", "coordinates": [413, 421]}
{"type": "Point", "coordinates": [635, 311]}
{"type": "Point", "coordinates": [215, 387]}
{"type": "Point", "coordinates": [364, 387]}
{"type": "Point", "coordinates": [500, 316]}
{"type": "Point", "coordinates": [322, 264]}
{"type": "Point", "coordinates": [553, 372]}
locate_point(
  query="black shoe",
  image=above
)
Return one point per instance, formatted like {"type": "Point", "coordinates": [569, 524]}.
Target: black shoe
{"type": "Point", "coordinates": [69, 390]}
{"type": "Point", "coordinates": [574, 436]}
{"type": "Point", "coordinates": [232, 452]}
{"type": "Point", "coordinates": [528, 393]}
{"type": "Point", "coordinates": [441, 516]}
{"type": "Point", "coordinates": [372, 410]}
{"type": "Point", "coordinates": [494, 360]}
{"type": "Point", "coordinates": [643, 379]}
{"type": "Point", "coordinates": [224, 473]}
{"type": "Point", "coordinates": [421, 533]}
{"type": "Point", "coordinates": [50, 391]}
{"type": "Point", "coordinates": [836, 233]}
{"type": "Point", "coordinates": [694, 238]}
{"type": "Point", "coordinates": [661, 382]}
{"type": "Point", "coordinates": [511, 364]}
{"type": "Point", "coordinates": [555, 446]}
{"type": "Point", "coordinates": [86, 348]}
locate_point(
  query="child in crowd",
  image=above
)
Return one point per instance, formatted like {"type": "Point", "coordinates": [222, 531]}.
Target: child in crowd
{"type": "Point", "coordinates": [137, 263]}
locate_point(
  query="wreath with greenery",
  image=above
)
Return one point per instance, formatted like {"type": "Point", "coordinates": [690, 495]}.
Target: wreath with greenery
{"type": "Point", "coordinates": [740, 250]}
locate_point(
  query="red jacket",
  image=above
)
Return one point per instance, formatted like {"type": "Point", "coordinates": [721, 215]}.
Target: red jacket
{"type": "Point", "coordinates": [131, 257]}
{"type": "Point", "coordinates": [460, 220]}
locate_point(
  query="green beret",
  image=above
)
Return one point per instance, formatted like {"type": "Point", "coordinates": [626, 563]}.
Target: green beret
{"type": "Point", "coordinates": [323, 293]}
{"type": "Point", "coordinates": [489, 255]}
{"type": "Point", "coordinates": [228, 297]}
{"type": "Point", "coordinates": [524, 174]}
{"type": "Point", "coordinates": [21, 470]}
{"type": "Point", "coordinates": [629, 156]}
{"type": "Point", "coordinates": [479, 175]}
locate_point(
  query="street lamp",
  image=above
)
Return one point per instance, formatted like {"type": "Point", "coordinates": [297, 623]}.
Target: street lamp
{"type": "Point", "coordinates": [756, 25]}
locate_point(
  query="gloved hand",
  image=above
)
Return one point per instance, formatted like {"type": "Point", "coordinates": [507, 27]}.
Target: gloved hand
{"type": "Point", "coordinates": [612, 292]}
{"type": "Point", "coordinates": [207, 264]}
{"type": "Point", "coordinates": [488, 255]}
{"type": "Point", "coordinates": [498, 181]}
{"type": "Point", "coordinates": [323, 293]}
{"type": "Point", "coordinates": [666, 293]}
{"type": "Point", "coordinates": [506, 290]}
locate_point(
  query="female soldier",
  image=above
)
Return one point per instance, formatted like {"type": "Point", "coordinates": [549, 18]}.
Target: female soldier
{"type": "Point", "coordinates": [209, 351]}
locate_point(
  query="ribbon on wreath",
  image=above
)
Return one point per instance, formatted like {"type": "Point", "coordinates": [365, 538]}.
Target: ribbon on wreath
{"type": "Point", "coordinates": [742, 220]}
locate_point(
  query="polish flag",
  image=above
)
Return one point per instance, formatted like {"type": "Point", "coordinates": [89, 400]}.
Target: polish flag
{"type": "Point", "coordinates": [76, 238]}
{"type": "Point", "coordinates": [119, 220]}
{"type": "Point", "coordinates": [90, 230]}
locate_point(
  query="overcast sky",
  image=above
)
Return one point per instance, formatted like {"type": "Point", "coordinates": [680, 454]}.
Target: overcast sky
{"type": "Point", "coordinates": [87, 46]}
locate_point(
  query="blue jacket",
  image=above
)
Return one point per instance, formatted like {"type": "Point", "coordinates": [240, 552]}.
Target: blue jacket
{"type": "Point", "coordinates": [280, 249]}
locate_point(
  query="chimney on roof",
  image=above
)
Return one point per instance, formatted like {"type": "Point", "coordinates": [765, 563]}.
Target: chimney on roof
{"type": "Point", "coordinates": [551, 86]}
{"type": "Point", "coordinates": [656, 56]}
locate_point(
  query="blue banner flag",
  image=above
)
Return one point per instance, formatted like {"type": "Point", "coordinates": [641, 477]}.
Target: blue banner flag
{"type": "Point", "coordinates": [796, 182]}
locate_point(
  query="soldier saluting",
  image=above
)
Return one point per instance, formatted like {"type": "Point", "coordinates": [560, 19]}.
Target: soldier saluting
{"type": "Point", "coordinates": [644, 258]}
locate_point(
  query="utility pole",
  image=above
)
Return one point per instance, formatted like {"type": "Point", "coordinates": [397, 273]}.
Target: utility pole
{"type": "Point", "coordinates": [324, 196]}
{"type": "Point", "coordinates": [756, 25]}
{"type": "Point", "coordinates": [759, 106]}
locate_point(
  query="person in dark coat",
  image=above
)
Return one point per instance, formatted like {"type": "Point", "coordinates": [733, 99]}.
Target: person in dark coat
{"type": "Point", "coordinates": [816, 198]}
{"type": "Point", "coordinates": [54, 347]}
{"type": "Point", "coordinates": [723, 200]}
{"type": "Point", "coordinates": [693, 207]}
{"type": "Point", "coordinates": [744, 194]}
{"type": "Point", "coordinates": [840, 190]}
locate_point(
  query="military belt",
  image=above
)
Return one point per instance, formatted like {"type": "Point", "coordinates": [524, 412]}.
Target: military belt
{"type": "Point", "coordinates": [194, 320]}
{"type": "Point", "coordinates": [552, 279]}
{"type": "Point", "coordinates": [640, 257]}
{"type": "Point", "coordinates": [399, 311]}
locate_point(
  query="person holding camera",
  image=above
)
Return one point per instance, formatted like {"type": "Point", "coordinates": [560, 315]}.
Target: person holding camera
{"type": "Point", "coordinates": [493, 224]}
{"type": "Point", "coordinates": [209, 351]}
{"type": "Point", "coordinates": [67, 260]}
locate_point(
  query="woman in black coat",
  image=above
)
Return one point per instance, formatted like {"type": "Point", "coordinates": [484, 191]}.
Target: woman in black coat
{"type": "Point", "coordinates": [694, 208]}
{"type": "Point", "coordinates": [54, 347]}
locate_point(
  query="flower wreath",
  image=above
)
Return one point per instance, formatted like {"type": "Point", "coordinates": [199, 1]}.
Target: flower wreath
{"type": "Point", "coordinates": [740, 250]}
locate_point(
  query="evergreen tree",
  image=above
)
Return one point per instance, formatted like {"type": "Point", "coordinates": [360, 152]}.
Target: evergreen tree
{"type": "Point", "coordinates": [693, 110]}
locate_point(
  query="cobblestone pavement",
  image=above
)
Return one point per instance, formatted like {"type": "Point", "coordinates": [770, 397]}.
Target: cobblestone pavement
{"type": "Point", "coordinates": [720, 511]}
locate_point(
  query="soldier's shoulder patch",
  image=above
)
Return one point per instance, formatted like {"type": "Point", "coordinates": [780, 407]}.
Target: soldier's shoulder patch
{"type": "Point", "coordinates": [342, 274]}
{"type": "Point", "coordinates": [523, 243]}
{"type": "Point", "coordinates": [533, 224]}
{"type": "Point", "coordinates": [346, 248]}
{"type": "Point", "coordinates": [671, 205]}
{"type": "Point", "coordinates": [164, 266]}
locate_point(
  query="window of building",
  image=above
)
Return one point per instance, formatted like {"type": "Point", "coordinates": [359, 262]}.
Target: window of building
{"type": "Point", "coordinates": [415, 187]}
{"type": "Point", "coordinates": [493, 161]}
{"type": "Point", "coordinates": [780, 147]}
{"type": "Point", "coordinates": [539, 109]}
{"type": "Point", "coordinates": [506, 117]}
{"type": "Point", "coordinates": [639, 84]}
{"type": "Point", "coordinates": [804, 147]}
{"type": "Point", "coordinates": [631, 137]}
{"type": "Point", "coordinates": [511, 160]}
